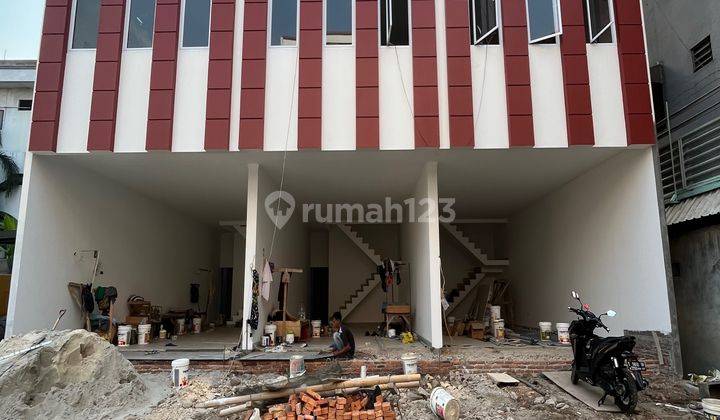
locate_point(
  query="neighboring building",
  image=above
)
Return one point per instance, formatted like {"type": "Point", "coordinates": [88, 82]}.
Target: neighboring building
{"type": "Point", "coordinates": [150, 141]}
{"type": "Point", "coordinates": [683, 36]}
{"type": "Point", "coordinates": [17, 80]}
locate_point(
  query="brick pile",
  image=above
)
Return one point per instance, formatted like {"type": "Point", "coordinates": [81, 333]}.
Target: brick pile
{"type": "Point", "coordinates": [311, 405]}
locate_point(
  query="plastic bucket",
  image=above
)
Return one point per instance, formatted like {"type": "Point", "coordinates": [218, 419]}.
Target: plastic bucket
{"type": "Point", "coordinates": [162, 334]}
{"type": "Point", "coordinates": [197, 325]}
{"type": "Point", "coordinates": [180, 326]}
{"type": "Point", "coordinates": [545, 331]}
{"type": "Point", "coordinates": [180, 372]}
{"type": "Point", "coordinates": [391, 333]}
{"type": "Point", "coordinates": [124, 335]}
{"type": "Point", "coordinates": [297, 365]}
{"type": "Point", "coordinates": [495, 312]}
{"type": "Point", "coordinates": [144, 333]}
{"type": "Point", "coordinates": [316, 328]}
{"type": "Point", "coordinates": [711, 407]}
{"type": "Point", "coordinates": [499, 329]}
{"type": "Point", "coordinates": [270, 330]}
{"type": "Point", "coordinates": [444, 405]}
{"type": "Point", "coordinates": [410, 361]}
{"type": "Point", "coordinates": [563, 333]}
{"type": "Point", "coordinates": [290, 338]}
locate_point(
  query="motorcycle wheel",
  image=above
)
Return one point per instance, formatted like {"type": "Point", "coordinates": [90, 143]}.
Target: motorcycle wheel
{"type": "Point", "coordinates": [627, 399]}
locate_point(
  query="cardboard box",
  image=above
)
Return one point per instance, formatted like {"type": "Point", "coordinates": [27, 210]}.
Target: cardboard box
{"type": "Point", "coordinates": [284, 327]}
{"type": "Point", "coordinates": [477, 330]}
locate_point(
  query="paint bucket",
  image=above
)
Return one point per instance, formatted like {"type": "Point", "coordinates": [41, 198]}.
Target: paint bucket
{"type": "Point", "coordinates": [444, 405]}
{"type": "Point", "coordinates": [297, 365]}
{"type": "Point", "coordinates": [162, 334]}
{"type": "Point", "coordinates": [124, 335]}
{"type": "Point", "coordinates": [180, 372]}
{"type": "Point", "coordinates": [391, 333]}
{"type": "Point", "coordinates": [316, 328]}
{"type": "Point", "coordinates": [563, 332]}
{"type": "Point", "coordinates": [270, 330]}
{"type": "Point", "coordinates": [711, 407]}
{"type": "Point", "coordinates": [180, 326]}
{"type": "Point", "coordinates": [410, 361]}
{"type": "Point", "coordinates": [363, 371]}
{"type": "Point", "coordinates": [495, 312]}
{"type": "Point", "coordinates": [451, 320]}
{"type": "Point", "coordinates": [290, 338]}
{"type": "Point", "coordinates": [197, 325]}
{"type": "Point", "coordinates": [144, 334]}
{"type": "Point", "coordinates": [545, 331]}
{"type": "Point", "coordinates": [499, 329]}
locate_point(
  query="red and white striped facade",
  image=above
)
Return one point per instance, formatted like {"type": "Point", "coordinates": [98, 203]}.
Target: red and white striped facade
{"type": "Point", "coordinates": [242, 94]}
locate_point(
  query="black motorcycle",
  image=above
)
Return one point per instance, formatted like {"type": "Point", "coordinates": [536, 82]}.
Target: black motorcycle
{"type": "Point", "coordinates": [605, 362]}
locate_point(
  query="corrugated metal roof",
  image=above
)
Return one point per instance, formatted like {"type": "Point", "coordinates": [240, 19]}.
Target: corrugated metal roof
{"type": "Point", "coordinates": [693, 208]}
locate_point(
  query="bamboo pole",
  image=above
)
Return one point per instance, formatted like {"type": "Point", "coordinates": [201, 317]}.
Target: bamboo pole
{"type": "Point", "coordinates": [235, 409]}
{"type": "Point", "coordinates": [383, 387]}
{"type": "Point", "coordinates": [352, 383]}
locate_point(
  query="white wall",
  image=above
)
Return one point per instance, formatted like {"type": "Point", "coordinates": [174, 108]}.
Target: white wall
{"type": "Point", "coordinates": [76, 101]}
{"type": "Point", "coordinates": [290, 249]}
{"type": "Point", "coordinates": [15, 135]}
{"type": "Point", "coordinates": [338, 97]}
{"type": "Point", "coordinates": [190, 100]}
{"type": "Point", "coordinates": [605, 96]}
{"type": "Point", "coordinates": [420, 245]}
{"type": "Point", "coordinates": [281, 98]}
{"type": "Point", "coordinates": [133, 100]}
{"type": "Point", "coordinates": [599, 235]}
{"type": "Point", "coordinates": [548, 97]}
{"type": "Point", "coordinates": [397, 126]}
{"type": "Point", "coordinates": [488, 85]}
{"type": "Point", "coordinates": [145, 247]}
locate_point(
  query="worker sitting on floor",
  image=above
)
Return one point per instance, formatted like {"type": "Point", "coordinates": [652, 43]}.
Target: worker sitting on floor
{"type": "Point", "coordinates": [343, 341]}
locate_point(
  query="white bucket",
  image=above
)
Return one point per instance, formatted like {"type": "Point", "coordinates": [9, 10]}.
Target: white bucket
{"type": "Point", "coordinates": [495, 312]}
{"type": "Point", "coordinates": [545, 331]}
{"type": "Point", "coordinates": [144, 333]}
{"type": "Point", "coordinates": [451, 320]}
{"type": "Point", "coordinates": [499, 329]}
{"type": "Point", "coordinates": [711, 407]}
{"type": "Point", "coordinates": [270, 330]}
{"type": "Point", "coordinates": [180, 372]}
{"type": "Point", "coordinates": [124, 335]}
{"type": "Point", "coordinates": [391, 333]}
{"type": "Point", "coordinates": [563, 333]}
{"type": "Point", "coordinates": [162, 334]}
{"type": "Point", "coordinates": [297, 365]}
{"type": "Point", "coordinates": [180, 326]}
{"type": "Point", "coordinates": [444, 405]}
{"type": "Point", "coordinates": [316, 327]}
{"type": "Point", "coordinates": [290, 338]}
{"type": "Point", "coordinates": [410, 361]}
{"type": "Point", "coordinates": [197, 325]}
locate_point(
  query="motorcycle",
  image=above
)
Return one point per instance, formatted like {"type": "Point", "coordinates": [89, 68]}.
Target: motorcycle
{"type": "Point", "coordinates": [608, 362]}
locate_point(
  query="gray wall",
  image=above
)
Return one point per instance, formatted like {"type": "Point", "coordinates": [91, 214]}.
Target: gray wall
{"type": "Point", "coordinates": [696, 259]}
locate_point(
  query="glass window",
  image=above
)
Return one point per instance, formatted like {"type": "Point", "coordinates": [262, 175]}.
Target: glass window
{"type": "Point", "coordinates": [25, 105]}
{"type": "Point", "coordinates": [85, 30]}
{"type": "Point", "coordinates": [284, 22]}
{"type": "Point", "coordinates": [543, 19]}
{"type": "Point", "coordinates": [339, 22]}
{"type": "Point", "coordinates": [196, 29]}
{"type": "Point", "coordinates": [2, 117]}
{"type": "Point", "coordinates": [394, 22]}
{"type": "Point", "coordinates": [599, 21]}
{"type": "Point", "coordinates": [141, 24]}
{"type": "Point", "coordinates": [483, 22]}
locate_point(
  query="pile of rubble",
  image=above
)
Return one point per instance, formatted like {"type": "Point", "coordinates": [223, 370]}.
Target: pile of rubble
{"type": "Point", "coordinates": [311, 405]}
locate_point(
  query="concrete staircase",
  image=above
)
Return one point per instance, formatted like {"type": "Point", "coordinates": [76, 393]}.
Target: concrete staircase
{"type": "Point", "coordinates": [456, 296]}
{"type": "Point", "coordinates": [456, 233]}
{"type": "Point", "coordinates": [371, 283]}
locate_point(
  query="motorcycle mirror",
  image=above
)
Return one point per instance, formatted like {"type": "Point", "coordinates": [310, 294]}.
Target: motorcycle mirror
{"type": "Point", "coordinates": [575, 295]}
{"type": "Point", "coordinates": [611, 313]}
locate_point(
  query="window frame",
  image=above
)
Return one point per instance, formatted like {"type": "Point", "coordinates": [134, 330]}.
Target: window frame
{"type": "Point", "coordinates": [696, 66]}
{"type": "Point", "coordinates": [352, 26]}
{"type": "Point", "coordinates": [71, 32]}
{"type": "Point", "coordinates": [25, 108]}
{"type": "Point", "coordinates": [126, 31]}
{"type": "Point", "coordinates": [270, 28]}
{"type": "Point", "coordinates": [558, 22]}
{"type": "Point", "coordinates": [388, 24]}
{"type": "Point", "coordinates": [2, 118]}
{"type": "Point", "coordinates": [181, 32]}
{"type": "Point", "coordinates": [610, 26]}
{"type": "Point", "coordinates": [489, 33]}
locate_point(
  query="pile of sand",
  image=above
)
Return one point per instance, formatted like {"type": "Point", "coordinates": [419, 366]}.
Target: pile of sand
{"type": "Point", "coordinates": [76, 375]}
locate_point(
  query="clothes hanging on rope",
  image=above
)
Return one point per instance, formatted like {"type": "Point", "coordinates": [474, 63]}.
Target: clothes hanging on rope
{"type": "Point", "coordinates": [266, 280]}
{"type": "Point", "coordinates": [254, 311]}
{"type": "Point", "coordinates": [389, 272]}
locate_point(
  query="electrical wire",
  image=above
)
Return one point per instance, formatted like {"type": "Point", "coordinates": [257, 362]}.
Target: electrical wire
{"type": "Point", "coordinates": [407, 97]}
{"type": "Point", "coordinates": [677, 35]}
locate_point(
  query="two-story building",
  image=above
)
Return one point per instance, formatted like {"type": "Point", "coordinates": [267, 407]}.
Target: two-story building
{"type": "Point", "coordinates": [510, 139]}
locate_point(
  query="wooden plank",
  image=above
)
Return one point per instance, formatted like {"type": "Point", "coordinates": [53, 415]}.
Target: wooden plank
{"type": "Point", "coordinates": [590, 395]}
{"type": "Point", "coordinates": [503, 379]}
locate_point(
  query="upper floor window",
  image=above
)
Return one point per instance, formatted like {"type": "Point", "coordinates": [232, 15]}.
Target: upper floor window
{"type": "Point", "coordinates": [284, 22]}
{"type": "Point", "coordinates": [599, 20]}
{"type": "Point", "coordinates": [25, 105]}
{"type": "Point", "coordinates": [483, 22]}
{"type": "Point", "coordinates": [702, 54]}
{"type": "Point", "coordinates": [394, 22]}
{"type": "Point", "coordinates": [85, 29]}
{"type": "Point", "coordinates": [543, 20]}
{"type": "Point", "coordinates": [2, 117]}
{"type": "Point", "coordinates": [338, 22]}
{"type": "Point", "coordinates": [196, 25]}
{"type": "Point", "coordinates": [141, 23]}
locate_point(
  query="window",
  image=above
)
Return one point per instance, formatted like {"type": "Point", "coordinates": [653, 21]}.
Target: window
{"type": "Point", "coordinates": [85, 30]}
{"type": "Point", "coordinates": [483, 22]}
{"type": "Point", "coordinates": [141, 23]}
{"type": "Point", "coordinates": [25, 105]}
{"type": "Point", "coordinates": [338, 24]}
{"type": "Point", "coordinates": [598, 20]}
{"type": "Point", "coordinates": [543, 20]}
{"type": "Point", "coordinates": [196, 27]}
{"type": "Point", "coordinates": [394, 22]}
{"type": "Point", "coordinates": [284, 22]}
{"type": "Point", "coordinates": [2, 117]}
{"type": "Point", "coordinates": [702, 54]}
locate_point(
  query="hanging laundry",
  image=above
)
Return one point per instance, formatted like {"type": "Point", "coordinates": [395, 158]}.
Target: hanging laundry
{"type": "Point", "coordinates": [254, 311]}
{"type": "Point", "coordinates": [266, 280]}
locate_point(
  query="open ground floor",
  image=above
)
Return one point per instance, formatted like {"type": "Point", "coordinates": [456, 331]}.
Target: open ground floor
{"type": "Point", "coordinates": [419, 241]}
